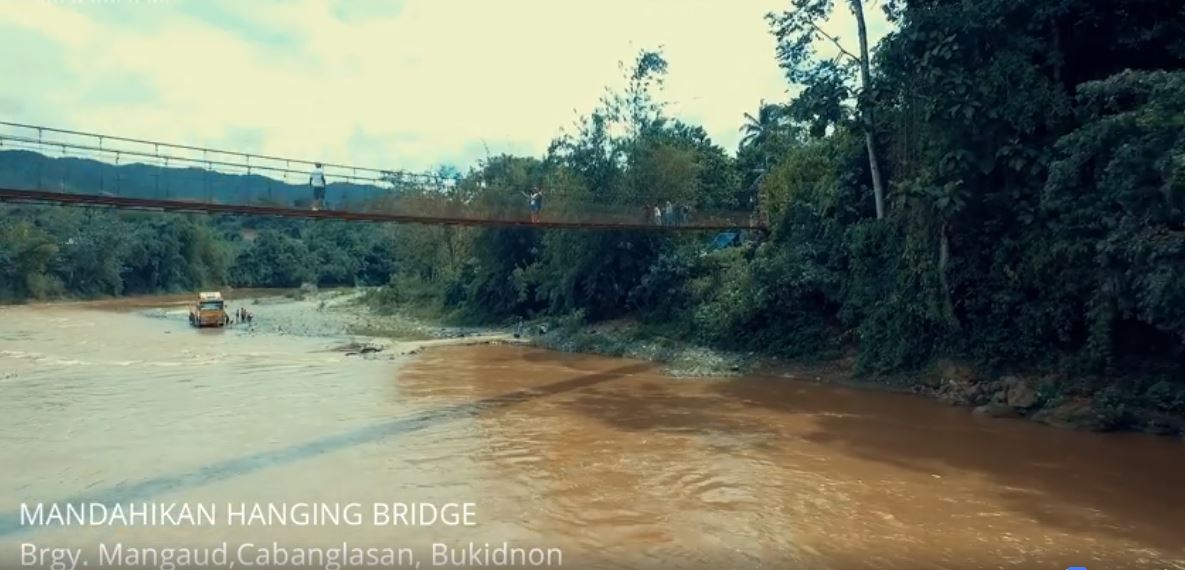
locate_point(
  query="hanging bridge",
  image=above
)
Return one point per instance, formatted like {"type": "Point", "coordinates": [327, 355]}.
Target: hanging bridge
{"type": "Point", "coordinates": [41, 164]}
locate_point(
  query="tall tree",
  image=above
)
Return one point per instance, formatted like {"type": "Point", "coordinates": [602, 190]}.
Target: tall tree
{"type": "Point", "coordinates": [797, 30]}
{"type": "Point", "coordinates": [757, 130]}
{"type": "Point", "coordinates": [637, 107]}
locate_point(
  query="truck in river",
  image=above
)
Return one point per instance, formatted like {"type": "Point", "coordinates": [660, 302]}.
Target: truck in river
{"type": "Point", "coordinates": [209, 311]}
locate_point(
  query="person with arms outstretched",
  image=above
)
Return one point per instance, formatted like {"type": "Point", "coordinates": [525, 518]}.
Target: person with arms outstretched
{"type": "Point", "coordinates": [535, 203]}
{"type": "Point", "coordinates": [317, 181]}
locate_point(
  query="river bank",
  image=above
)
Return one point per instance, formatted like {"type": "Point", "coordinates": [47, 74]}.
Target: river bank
{"type": "Point", "coordinates": [1065, 402]}
{"type": "Point", "coordinates": [1062, 401]}
{"type": "Point", "coordinates": [335, 314]}
{"type": "Point", "coordinates": [1058, 400]}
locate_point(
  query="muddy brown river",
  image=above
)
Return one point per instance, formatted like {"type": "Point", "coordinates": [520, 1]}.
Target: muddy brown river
{"type": "Point", "coordinates": [577, 461]}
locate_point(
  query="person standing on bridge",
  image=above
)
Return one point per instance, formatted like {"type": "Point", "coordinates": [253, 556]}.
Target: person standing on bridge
{"type": "Point", "coordinates": [535, 203]}
{"type": "Point", "coordinates": [317, 181]}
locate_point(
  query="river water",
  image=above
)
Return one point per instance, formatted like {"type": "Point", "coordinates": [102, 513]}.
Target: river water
{"type": "Point", "coordinates": [605, 462]}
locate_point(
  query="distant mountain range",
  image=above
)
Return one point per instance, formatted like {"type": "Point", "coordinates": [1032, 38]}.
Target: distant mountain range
{"type": "Point", "coordinates": [26, 170]}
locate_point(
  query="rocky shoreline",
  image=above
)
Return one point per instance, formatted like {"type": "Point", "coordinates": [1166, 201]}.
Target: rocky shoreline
{"type": "Point", "coordinates": [1056, 401]}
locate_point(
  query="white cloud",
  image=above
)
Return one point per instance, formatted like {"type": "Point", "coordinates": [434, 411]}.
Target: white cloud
{"type": "Point", "coordinates": [408, 87]}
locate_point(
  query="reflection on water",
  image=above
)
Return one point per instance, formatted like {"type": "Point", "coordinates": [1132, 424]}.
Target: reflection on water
{"type": "Point", "coordinates": [606, 459]}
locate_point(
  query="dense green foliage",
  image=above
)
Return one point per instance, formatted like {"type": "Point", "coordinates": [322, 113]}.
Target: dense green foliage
{"type": "Point", "coordinates": [48, 252]}
{"type": "Point", "coordinates": [1033, 153]}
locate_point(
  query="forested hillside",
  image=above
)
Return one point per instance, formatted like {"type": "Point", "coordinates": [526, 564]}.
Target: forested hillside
{"type": "Point", "coordinates": [23, 169]}
{"type": "Point", "coordinates": [1030, 156]}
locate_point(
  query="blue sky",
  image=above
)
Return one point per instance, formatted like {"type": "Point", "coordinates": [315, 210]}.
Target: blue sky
{"type": "Point", "coordinates": [400, 84]}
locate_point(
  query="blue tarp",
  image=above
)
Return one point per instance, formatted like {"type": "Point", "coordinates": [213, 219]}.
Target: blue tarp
{"type": "Point", "coordinates": [726, 239]}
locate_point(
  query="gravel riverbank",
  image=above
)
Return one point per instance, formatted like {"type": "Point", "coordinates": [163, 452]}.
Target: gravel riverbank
{"type": "Point", "coordinates": [338, 315]}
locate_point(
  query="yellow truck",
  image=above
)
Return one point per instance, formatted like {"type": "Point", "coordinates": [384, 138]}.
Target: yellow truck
{"type": "Point", "coordinates": [209, 311]}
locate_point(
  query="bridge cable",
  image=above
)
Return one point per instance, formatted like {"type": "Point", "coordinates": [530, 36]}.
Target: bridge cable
{"type": "Point", "coordinates": [102, 179]}
{"type": "Point", "coordinates": [156, 174]}
{"type": "Point", "coordinates": [41, 163]}
{"type": "Point", "coordinates": [65, 170]}
{"type": "Point", "coordinates": [206, 177]}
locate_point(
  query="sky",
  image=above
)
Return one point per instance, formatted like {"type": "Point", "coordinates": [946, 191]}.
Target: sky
{"type": "Point", "coordinates": [392, 84]}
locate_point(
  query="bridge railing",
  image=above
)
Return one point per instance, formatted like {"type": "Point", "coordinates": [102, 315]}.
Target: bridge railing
{"type": "Point", "coordinates": [73, 162]}
{"type": "Point", "coordinates": [122, 151]}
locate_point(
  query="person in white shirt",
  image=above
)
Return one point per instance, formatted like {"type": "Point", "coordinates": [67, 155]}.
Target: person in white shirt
{"type": "Point", "coordinates": [317, 181]}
